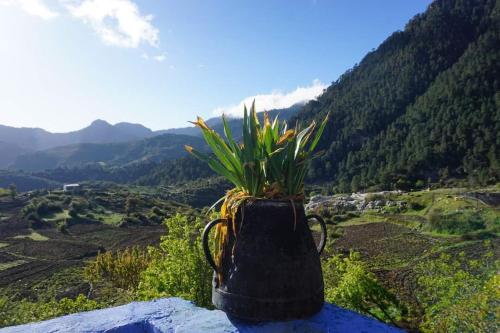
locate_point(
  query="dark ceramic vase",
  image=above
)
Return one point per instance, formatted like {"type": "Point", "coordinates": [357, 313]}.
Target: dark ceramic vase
{"type": "Point", "coordinates": [271, 269]}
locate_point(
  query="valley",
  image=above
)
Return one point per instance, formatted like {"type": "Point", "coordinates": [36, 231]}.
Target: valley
{"type": "Point", "coordinates": [48, 237]}
{"type": "Point", "coordinates": [405, 173]}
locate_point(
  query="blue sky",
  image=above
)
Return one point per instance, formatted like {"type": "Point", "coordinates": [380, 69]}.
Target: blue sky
{"type": "Point", "coordinates": [64, 63]}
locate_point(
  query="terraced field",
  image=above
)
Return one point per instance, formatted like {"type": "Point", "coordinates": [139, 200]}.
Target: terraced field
{"type": "Point", "coordinates": [33, 252]}
{"type": "Point", "coordinates": [392, 242]}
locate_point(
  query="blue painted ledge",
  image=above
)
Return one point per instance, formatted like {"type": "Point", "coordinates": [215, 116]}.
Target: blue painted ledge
{"type": "Point", "coordinates": [178, 315]}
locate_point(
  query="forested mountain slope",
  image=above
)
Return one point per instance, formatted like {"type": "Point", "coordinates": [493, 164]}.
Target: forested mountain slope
{"type": "Point", "coordinates": [424, 104]}
{"type": "Point", "coordinates": [155, 149]}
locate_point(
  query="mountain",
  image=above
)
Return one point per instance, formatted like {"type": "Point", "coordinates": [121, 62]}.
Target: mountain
{"type": "Point", "coordinates": [424, 105]}
{"type": "Point", "coordinates": [25, 181]}
{"type": "Point", "coordinates": [99, 131]}
{"type": "Point", "coordinates": [9, 151]}
{"type": "Point", "coordinates": [158, 148]}
{"type": "Point", "coordinates": [21, 140]}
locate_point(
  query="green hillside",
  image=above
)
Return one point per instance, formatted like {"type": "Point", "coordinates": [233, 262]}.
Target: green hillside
{"type": "Point", "coordinates": [425, 104]}
{"type": "Point", "coordinates": [158, 148]}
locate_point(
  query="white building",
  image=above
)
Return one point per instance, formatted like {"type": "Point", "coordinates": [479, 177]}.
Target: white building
{"type": "Point", "coordinates": [71, 187]}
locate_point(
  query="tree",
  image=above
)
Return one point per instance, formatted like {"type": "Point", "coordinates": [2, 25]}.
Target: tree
{"type": "Point", "coordinates": [355, 183]}
{"type": "Point", "coordinates": [348, 283]}
{"type": "Point", "coordinates": [13, 191]}
{"type": "Point", "coordinates": [459, 295]}
{"type": "Point", "coordinates": [178, 267]}
{"type": "Point", "coordinates": [131, 205]}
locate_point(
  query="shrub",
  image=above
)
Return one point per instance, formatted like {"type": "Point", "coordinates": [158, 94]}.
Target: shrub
{"type": "Point", "coordinates": [339, 218]}
{"type": "Point", "coordinates": [415, 205]}
{"type": "Point", "coordinates": [392, 209]}
{"type": "Point", "coordinates": [324, 211]}
{"type": "Point", "coordinates": [79, 205]}
{"type": "Point", "coordinates": [4, 192]}
{"type": "Point", "coordinates": [459, 295]}
{"type": "Point", "coordinates": [122, 269]}
{"type": "Point", "coordinates": [351, 215]}
{"type": "Point", "coordinates": [456, 223]}
{"type": "Point", "coordinates": [12, 191]}
{"type": "Point", "coordinates": [134, 219]}
{"type": "Point", "coordinates": [178, 266]}
{"type": "Point", "coordinates": [348, 283]}
{"type": "Point", "coordinates": [15, 313]}
{"type": "Point", "coordinates": [420, 184]}
{"type": "Point", "coordinates": [45, 207]}
{"type": "Point", "coordinates": [374, 197]}
{"type": "Point", "coordinates": [73, 212]}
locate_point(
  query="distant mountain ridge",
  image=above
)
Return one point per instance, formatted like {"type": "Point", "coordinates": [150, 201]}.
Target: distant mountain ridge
{"type": "Point", "coordinates": [99, 131]}
{"type": "Point", "coordinates": [15, 141]}
{"type": "Point", "coordinates": [156, 149]}
{"type": "Point", "coordinates": [106, 144]}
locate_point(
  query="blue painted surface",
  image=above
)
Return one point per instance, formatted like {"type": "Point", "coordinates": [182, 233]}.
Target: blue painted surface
{"type": "Point", "coordinates": [180, 316]}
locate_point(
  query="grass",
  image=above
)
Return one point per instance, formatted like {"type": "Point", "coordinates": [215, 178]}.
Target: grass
{"type": "Point", "coordinates": [449, 204]}
{"type": "Point", "coordinates": [10, 264]}
{"type": "Point", "coordinates": [57, 217]}
{"type": "Point", "coordinates": [109, 218]}
{"type": "Point", "coordinates": [33, 236]}
{"type": "Point", "coordinates": [363, 219]}
{"type": "Point", "coordinates": [4, 245]}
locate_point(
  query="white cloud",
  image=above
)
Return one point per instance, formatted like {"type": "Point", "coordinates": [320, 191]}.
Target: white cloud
{"type": "Point", "coordinates": [160, 57]}
{"type": "Point", "coordinates": [33, 7]}
{"type": "Point", "coordinates": [117, 22]}
{"type": "Point", "coordinates": [275, 100]}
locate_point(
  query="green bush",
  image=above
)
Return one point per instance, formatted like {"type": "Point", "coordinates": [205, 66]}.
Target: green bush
{"type": "Point", "coordinates": [375, 196]}
{"type": "Point", "coordinates": [420, 184]}
{"type": "Point", "coordinates": [79, 205]}
{"type": "Point", "coordinates": [339, 218]}
{"type": "Point", "coordinates": [348, 283]}
{"type": "Point", "coordinates": [122, 268]}
{"type": "Point", "coordinates": [178, 266]}
{"type": "Point", "coordinates": [4, 192]}
{"type": "Point", "coordinates": [20, 312]}
{"type": "Point", "coordinates": [351, 215]}
{"type": "Point", "coordinates": [392, 209]}
{"type": "Point", "coordinates": [459, 295]}
{"type": "Point", "coordinates": [415, 205]}
{"type": "Point", "coordinates": [456, 223]}
{"type": "Point", "coordinates": [45, 207]}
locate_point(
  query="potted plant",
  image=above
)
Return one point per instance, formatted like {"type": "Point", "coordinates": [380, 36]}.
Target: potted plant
{"type": "Point", "coordinates": [266, 264]}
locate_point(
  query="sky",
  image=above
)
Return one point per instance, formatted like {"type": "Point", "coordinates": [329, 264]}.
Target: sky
{"type": "Point", "coordinates": [160, 63]}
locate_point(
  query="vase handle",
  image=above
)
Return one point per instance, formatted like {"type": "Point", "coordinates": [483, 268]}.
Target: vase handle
{"type": "Point", "coordinates": [204, 240]}
{"type": "Point", "coordinates": [322, 224]}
